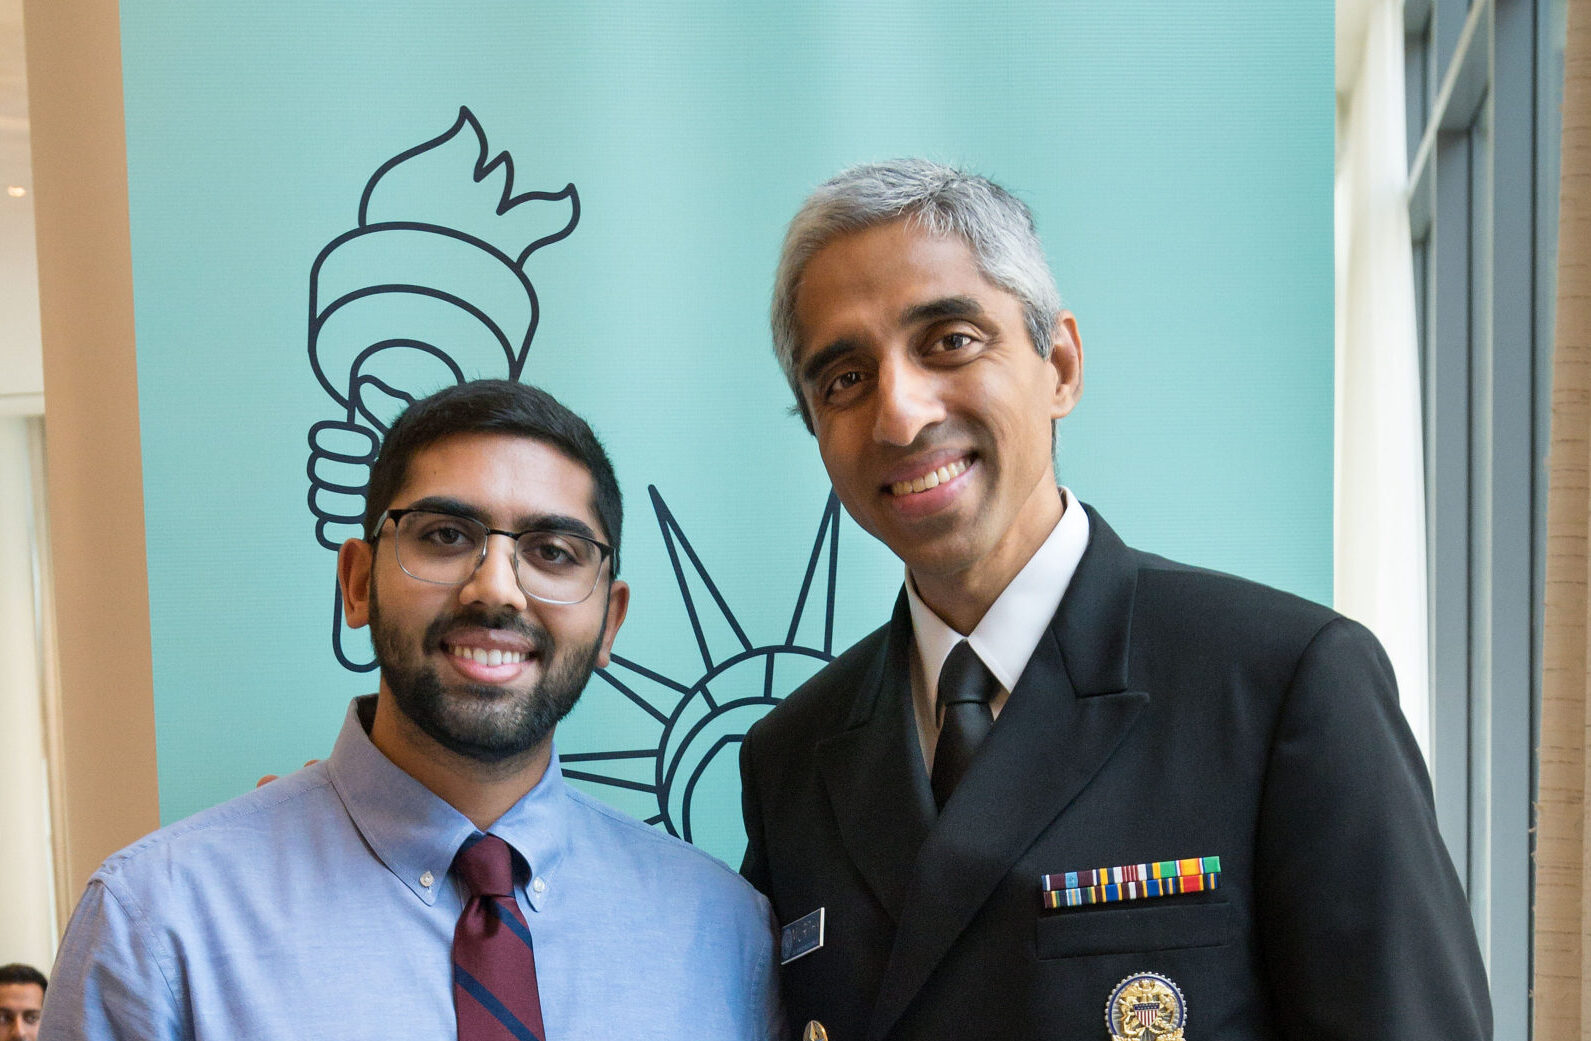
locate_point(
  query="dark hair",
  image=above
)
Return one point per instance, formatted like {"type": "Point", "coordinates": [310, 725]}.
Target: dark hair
{"type": "Point", "coordinates": [494, 407]}
{"type": "Point", "coordinates": [16, 972]}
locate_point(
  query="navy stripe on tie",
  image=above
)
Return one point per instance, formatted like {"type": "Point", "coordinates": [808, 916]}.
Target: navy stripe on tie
{"type": "Point", "coordinates": [489, 1002]}
{"type": "Point", "coordinates": [508, 918]}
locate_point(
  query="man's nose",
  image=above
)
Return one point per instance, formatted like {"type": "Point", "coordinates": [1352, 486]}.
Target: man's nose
{"type": "Point", "coordinates": [494, 581]}
{"type": "Point", "coordinates": [907, 402]}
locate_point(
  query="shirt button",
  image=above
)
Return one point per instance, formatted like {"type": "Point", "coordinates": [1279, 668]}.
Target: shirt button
{"type": "Point", "coordinates": [539, 886]}
{"type": "Point", "coordinates": [426, 879]}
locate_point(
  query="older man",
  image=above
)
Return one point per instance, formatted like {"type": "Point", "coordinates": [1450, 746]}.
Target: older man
{"type": "Point", "coordinates": [1071, 790]}
{"type": "Point", "coordinates": [435, 877]}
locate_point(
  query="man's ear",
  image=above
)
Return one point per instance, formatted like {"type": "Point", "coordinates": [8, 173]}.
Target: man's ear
{"type": "Point", "coordinates": [354, 561]}
{"type": "Point", "coordinates": [1066, 358]}
{"type": "Point", "coordinates": [618, 607]}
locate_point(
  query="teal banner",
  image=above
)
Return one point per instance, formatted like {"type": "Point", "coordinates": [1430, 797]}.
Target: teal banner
{"type": "Point", "coordinates": [337, 208]}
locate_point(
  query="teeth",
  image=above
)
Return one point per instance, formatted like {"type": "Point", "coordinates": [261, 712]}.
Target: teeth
{"type": "Point", "coordinates": [932, 479]}
{"type": "Point", "coordinates": [488, 657]}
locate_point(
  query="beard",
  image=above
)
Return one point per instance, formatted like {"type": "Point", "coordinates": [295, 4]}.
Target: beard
{"type": "Point", "coordinates": [485, 723]}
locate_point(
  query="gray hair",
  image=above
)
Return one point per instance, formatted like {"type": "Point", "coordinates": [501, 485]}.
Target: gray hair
{"type": "Point", "coordinates": [995, 225]}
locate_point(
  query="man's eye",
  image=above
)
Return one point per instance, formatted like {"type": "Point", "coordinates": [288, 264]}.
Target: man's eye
{"type": "Point", "coordinates": [443, 535]}
{"type": "Point", "coordinates": [552, 553]}
{"type": "Point", "coordinates": [952, 342]}
{"type": "Point", "coordinates": [556, 552]}
{"type": "Point", "coordinates": [843, 385]}
{"type": "Point", "coordinates": [439, 533]}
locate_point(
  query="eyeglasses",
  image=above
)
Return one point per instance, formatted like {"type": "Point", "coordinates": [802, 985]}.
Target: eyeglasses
{"type": "Point", "coordinates": [445, 549]}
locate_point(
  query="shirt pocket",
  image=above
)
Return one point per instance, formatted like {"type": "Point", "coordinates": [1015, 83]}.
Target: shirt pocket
{"type": "Point", "coordinates": [1128, 930]}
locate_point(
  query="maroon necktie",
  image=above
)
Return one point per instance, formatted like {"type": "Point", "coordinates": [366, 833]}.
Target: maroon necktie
{"type": "Point", "coordinates": [494, 967]}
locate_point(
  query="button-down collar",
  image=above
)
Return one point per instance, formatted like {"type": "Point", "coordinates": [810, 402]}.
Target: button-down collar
{"type": "Point", "coordinates": [416, 833]}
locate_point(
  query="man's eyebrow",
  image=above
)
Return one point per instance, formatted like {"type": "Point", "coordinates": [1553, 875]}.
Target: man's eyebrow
{"type": "Point", "coordinates": [944, 307]}
{"type": "Point", "coordinates": [449, 505]}
{"type": "Point", "coordinates": [823, 356]}
{"type": "Point", "coordinates": [555, 522]}
{"type": "Point", "coordinates": [558, 523]}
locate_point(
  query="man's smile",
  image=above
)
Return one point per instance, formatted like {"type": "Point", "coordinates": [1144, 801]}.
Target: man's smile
{"type": "Point", "coordinates": [489, 655]}
{"type": "Point", "coordinates": [930, 479]}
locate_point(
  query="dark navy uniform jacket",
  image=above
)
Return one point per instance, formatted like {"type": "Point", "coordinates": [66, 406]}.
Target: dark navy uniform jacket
{"type": "Point", "coordinates": [1169, 712]}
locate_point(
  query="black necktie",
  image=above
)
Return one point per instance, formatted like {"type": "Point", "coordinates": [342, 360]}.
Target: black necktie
{"type": "Point", "coordinates": [965, 687]}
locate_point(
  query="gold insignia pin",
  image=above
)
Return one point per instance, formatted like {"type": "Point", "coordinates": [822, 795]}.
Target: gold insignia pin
{"type": "Point", "coordinates": [814, 1032]}
{"type": "Point", "coordinates": [1146, 1006]}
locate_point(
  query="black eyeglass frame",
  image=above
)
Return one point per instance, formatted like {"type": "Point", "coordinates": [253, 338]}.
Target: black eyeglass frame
{"type": "Point", "coordinates": [604, 551]}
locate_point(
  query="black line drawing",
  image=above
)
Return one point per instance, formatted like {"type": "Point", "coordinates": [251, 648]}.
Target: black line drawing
{"type": "Point", "coordinates": [429, 287]}
{"type": "Point", "coordinates": [423, 290]}
{"type": "Point", "coordinates": [702, 719]}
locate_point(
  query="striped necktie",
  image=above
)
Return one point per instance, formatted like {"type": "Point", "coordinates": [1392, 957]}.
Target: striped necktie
{"type": "Point", "coordinates": [494, 966]}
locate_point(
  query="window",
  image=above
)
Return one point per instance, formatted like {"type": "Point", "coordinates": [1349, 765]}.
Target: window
{"type": "Point", "coordinates": [1484, 86]}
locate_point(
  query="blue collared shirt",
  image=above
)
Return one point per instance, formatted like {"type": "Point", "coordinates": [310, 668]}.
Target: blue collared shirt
{"type": "Point", "coordinates": [321, 905]}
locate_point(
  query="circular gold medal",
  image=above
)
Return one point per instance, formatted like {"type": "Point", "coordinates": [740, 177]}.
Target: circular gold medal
{"type": "Point", "coordinates": [1146, 1007]}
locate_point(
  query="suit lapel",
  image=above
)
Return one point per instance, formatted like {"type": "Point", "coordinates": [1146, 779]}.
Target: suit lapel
{"type": "Point", "coordinates": [1066, 717]}
{"type": "Point", "coordinates": [873, 772]}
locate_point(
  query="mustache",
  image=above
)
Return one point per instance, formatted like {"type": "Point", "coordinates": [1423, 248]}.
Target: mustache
{"type": "Point", "coordinates": [504, 619]}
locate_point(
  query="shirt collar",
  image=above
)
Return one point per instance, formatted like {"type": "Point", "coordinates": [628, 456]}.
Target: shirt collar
{"type": "Point", "coordinates": [1010, 630]}
{"type": "Point", "coordinates": [416, 833]}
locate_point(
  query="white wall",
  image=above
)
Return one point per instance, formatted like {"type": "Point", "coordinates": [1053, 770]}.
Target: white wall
{"type": "Point", "coordinates": [27, 925]}
{"type": "Point", "coordinates": [28, 913]}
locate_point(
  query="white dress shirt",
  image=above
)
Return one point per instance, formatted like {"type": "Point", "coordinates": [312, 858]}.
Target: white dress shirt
{"type": "Point", "coordinates": [1008, 633]}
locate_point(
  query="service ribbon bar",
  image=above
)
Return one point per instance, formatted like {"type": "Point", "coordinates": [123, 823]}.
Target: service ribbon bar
{"type": "Point", "coordinates": [1127, 873]}
{"type": "Point", "coordinates": [1115, 892]}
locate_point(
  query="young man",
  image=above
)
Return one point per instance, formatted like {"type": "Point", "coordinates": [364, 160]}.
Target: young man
{"type": "Point", "coordinates": [435, 877]}
{"type": "Point", "coordinates": [1047, 702]}
{"type": "Point", "coordinates": [21, 997]}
